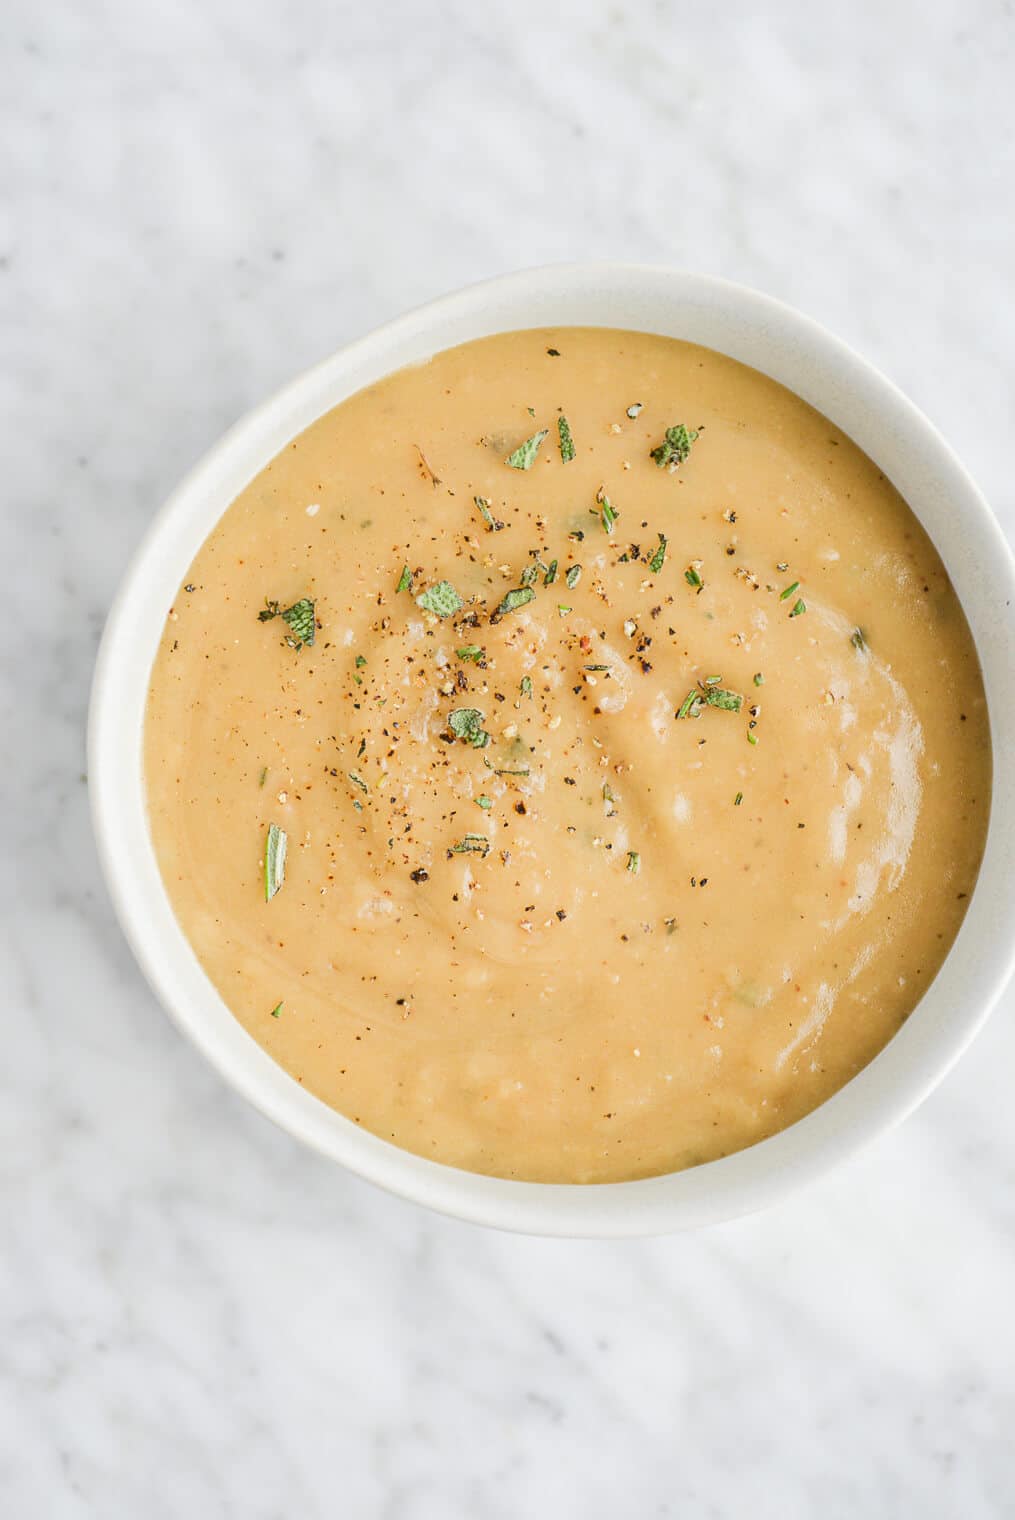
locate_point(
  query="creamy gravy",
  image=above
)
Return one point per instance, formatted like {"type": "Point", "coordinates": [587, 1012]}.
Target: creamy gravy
{"type": "Point", "coordinates": [572, 936]}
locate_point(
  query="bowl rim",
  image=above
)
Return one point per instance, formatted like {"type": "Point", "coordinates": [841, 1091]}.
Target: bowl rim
{"type": "Point", "coordinates": [778, 340]}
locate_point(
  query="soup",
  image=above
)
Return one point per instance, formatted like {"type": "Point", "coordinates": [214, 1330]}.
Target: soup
{"type": "Point", "coordinates": [568, 758]}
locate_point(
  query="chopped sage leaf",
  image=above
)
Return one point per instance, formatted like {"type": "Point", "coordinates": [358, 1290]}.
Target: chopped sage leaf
{"type": "Point", "coordinates": [467, 723]}
{"type": "Point", "coordinates": [798, 607]}
{"type": "Point", "coordinates": [858, 639]}
{"type": "Point", "coordinates": [566, 441]}
{"type": "Point", "coordinates": [264, 775]}
{"type": "Point", "coordinates": [563, 611]}
{"type": "Point", "coordinates": [759, 679]}
{"type": "Point", "coordinates": [692, 578]}
{"type": "Point", "coordinates": [633, 862]}
{"type": "Point", "coordinates": [470, 652]}
{"type": "Point", "coordinates": [484, 802]}
{"type": "Point", "coordinates": [529, 575]}
{"type": "Point", "coordinates": [738, 799]}
{"type": "Point", "coordinates": [675, 447]}
{"type": "Point", "coordinates": [360, 661]}
{"type": "Point", "coordinates": [729, 701]}
{"type": "Point", "coordinates": [524, 456]}
{"type": "Point", "coordinates": [551, 573]}
{"type": "Point", "coordinates": [277, 1010]}
{"type": "Point", "coordinates": [268, 611]}
{"type": "Point", "coordinates": [751, 738]}
{"type": "Point", "coordinates": [472, 844]}
{"type": "Point", "coordinates": [658, 559]}
{"type": "Point", "coordinates": [300, 619]}
{"type": "Point", "coordinates": [526, 687]}
{"type": "Point", "coordinates": [274, 860]}
{"type": "Point", "coordinates": [573, 576]}
{"type": "Point", "coordinates": [442, 599]}
{"type": "Point", "coordinates": [607, 511]}
{"type": "Point", "coordinates": [357, 780]}
{"type": "Point", "coordinates": [531, 411]}
{"type": "Point", "coordinates": [505, 770]}
{"type": "Point", "coordinates": [690, 707]}
{"type": "Point", "coordinates": [513, 600]}
{"type": "Point", "coordinates": [713, 681]}
{"type": "Point", "coordinates": [404, 580]}
{"type": "Point", "coordinates": [783, 595]}
{"type": "Point", "coordinates": [493, 523]}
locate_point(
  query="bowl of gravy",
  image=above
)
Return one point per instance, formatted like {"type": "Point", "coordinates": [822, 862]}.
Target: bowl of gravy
{"type": "Point", "coordinates": [550, 757]}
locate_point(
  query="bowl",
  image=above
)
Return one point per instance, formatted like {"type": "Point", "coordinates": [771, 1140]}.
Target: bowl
{"type": "Point", "coordinates": [804, 357]}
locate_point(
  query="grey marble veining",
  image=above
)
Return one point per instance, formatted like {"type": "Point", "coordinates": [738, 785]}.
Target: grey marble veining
{"type": "Point", "coordinates": [196, 1317]}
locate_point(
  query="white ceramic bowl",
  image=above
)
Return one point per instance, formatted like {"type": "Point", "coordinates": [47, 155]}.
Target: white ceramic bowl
{"type": "Point", "coordinates": [760, 332]}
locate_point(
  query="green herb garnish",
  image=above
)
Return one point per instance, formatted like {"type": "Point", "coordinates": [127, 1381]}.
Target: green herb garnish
{"type": "Point", "coordinates": [551, 573]}
{"type": "Point", "coordinates": [607, 511]}
{"type": "Point", "coordinates": [472, 844]}
{"type": "Point", "coordinates": [360, 661]}
{"type": "Point", "coordinates": [759, 679]}
{"type": "Point", "coordinates": [751, 738]}
{"type": "Point", "coordinates": [263, 776]}
{"type": "Point", "coordinates": [277, 1009]}
{"type": "Point", "coordinates": [738, 799]}
{"type": "Point", "coordinates": [563, 611]}
{"type": "Point", "coordinates": [529, 575]}
{"type": "Point", "coordinates": [513, 600]}
{"type": "Point", "coordinates": [729, 701]}
{"type": "Point", "coordinates": [493, 523]}
{"type": "Point", "coordinates": [675, 447]}
{"type": "Point", "coordinates": [526, 686]}
{"type": "Point", "coordinates": [633, 862]}
{"type": "Point", "coordinates": [404, 580]}
{"type": "Point", "coordinates": [858, 639]}
{"type": "Point", "coordinates": [524, 456]}
{"type": "Point", "coordinates": [691, 706]}
{"type": "Point", "coordinates": [484, 802]}
{"type": "Point", "coordinates": [573, 576]}
{"type": "Point", "coordinates": [566, 441]}
{"type": "Point", "coordinates": [467, 723]}
{"type": "Point", "coordinates": [357, 780]}
{"type": "Point", "coordinates": [799, 606]}
{"type": "Point", "coordinates": [442, 600]}
{"type": "Point", "coordinates": [299, 618]}
{"type": "Point", "coordinates": [472, 652]}
{"type": "Point", "coordinates": [692, 578]}
{"type": "Point", "coordinates": [274, 860]}
{"type": "Point", "coordinates": [783, 595]}
{"type": "Point", "coordinates": [658, 559]}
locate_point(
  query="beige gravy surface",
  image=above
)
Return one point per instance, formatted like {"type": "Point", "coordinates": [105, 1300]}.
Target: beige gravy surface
{"type": "Point", "coordinates": [667, 940]}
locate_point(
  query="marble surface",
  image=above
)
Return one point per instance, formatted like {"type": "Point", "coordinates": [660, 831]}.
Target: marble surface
{"type": "Point", "coordinates": [196, 1318]}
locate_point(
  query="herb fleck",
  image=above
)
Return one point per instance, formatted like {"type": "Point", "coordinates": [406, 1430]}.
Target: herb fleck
{"type": "Point", "coordinates": [472, 652]}
{"type": "Point", "coordinates": [404, 580]}
{"type": "Point", "coordinates": [299, 618]}
{"type": "Point", "coordinates": [573, 576]}
{"type": "Point", "coordinates": [729, 701]}
{"type": "Point", "coordinates": [467, 723]}
{"type": "Point", "coordinates": [759, 679]}
{"type": "Point", "coordinates": [608, 512]}
{"type": "Point", "coordinates": [633, 862]}
{"type": "Point", "coordinates": [634, 409]}
{"type": "Point", "coordinates": [484, 802]}
{"type": "Point", "coordinates": [493, 523]}
{"type": "Point", "coordinates": [472, 844]}
{"type": "Point", "coordinates": [513, 600]}
{"type": "Point", "coordinates": [738, 799]}
{"type": "Point", "coordinates": [692, 578]}
{"type": "Point", "coordinates": [524, 456]}
{"type": "Point", "coordinates": [441, 599]}
{"type": "Point", "coordinates": [858, 639]}
{"type": "Point", "coordinates": [658, 559]}
{"type": "Point", "coordinates": [675, 447]}
{"type": "Point", "coordinates": [274, 860]}
{"type": "Point", "coordinates": [798, 607]}
{"type": "Point", "coordinates": [783, 595]}
{"type": "Point", "coordinates": [566, 441]}
{"type": "Point", "coordinates": [526, 686]}
{"type": "Point", "coordinates": [551, 573]}
{"type": "Point", "coordinates": [277, 1009]}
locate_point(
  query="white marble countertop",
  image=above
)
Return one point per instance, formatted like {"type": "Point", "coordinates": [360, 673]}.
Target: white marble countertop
{"type": "Point", "coordinates": [197, 1318]}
